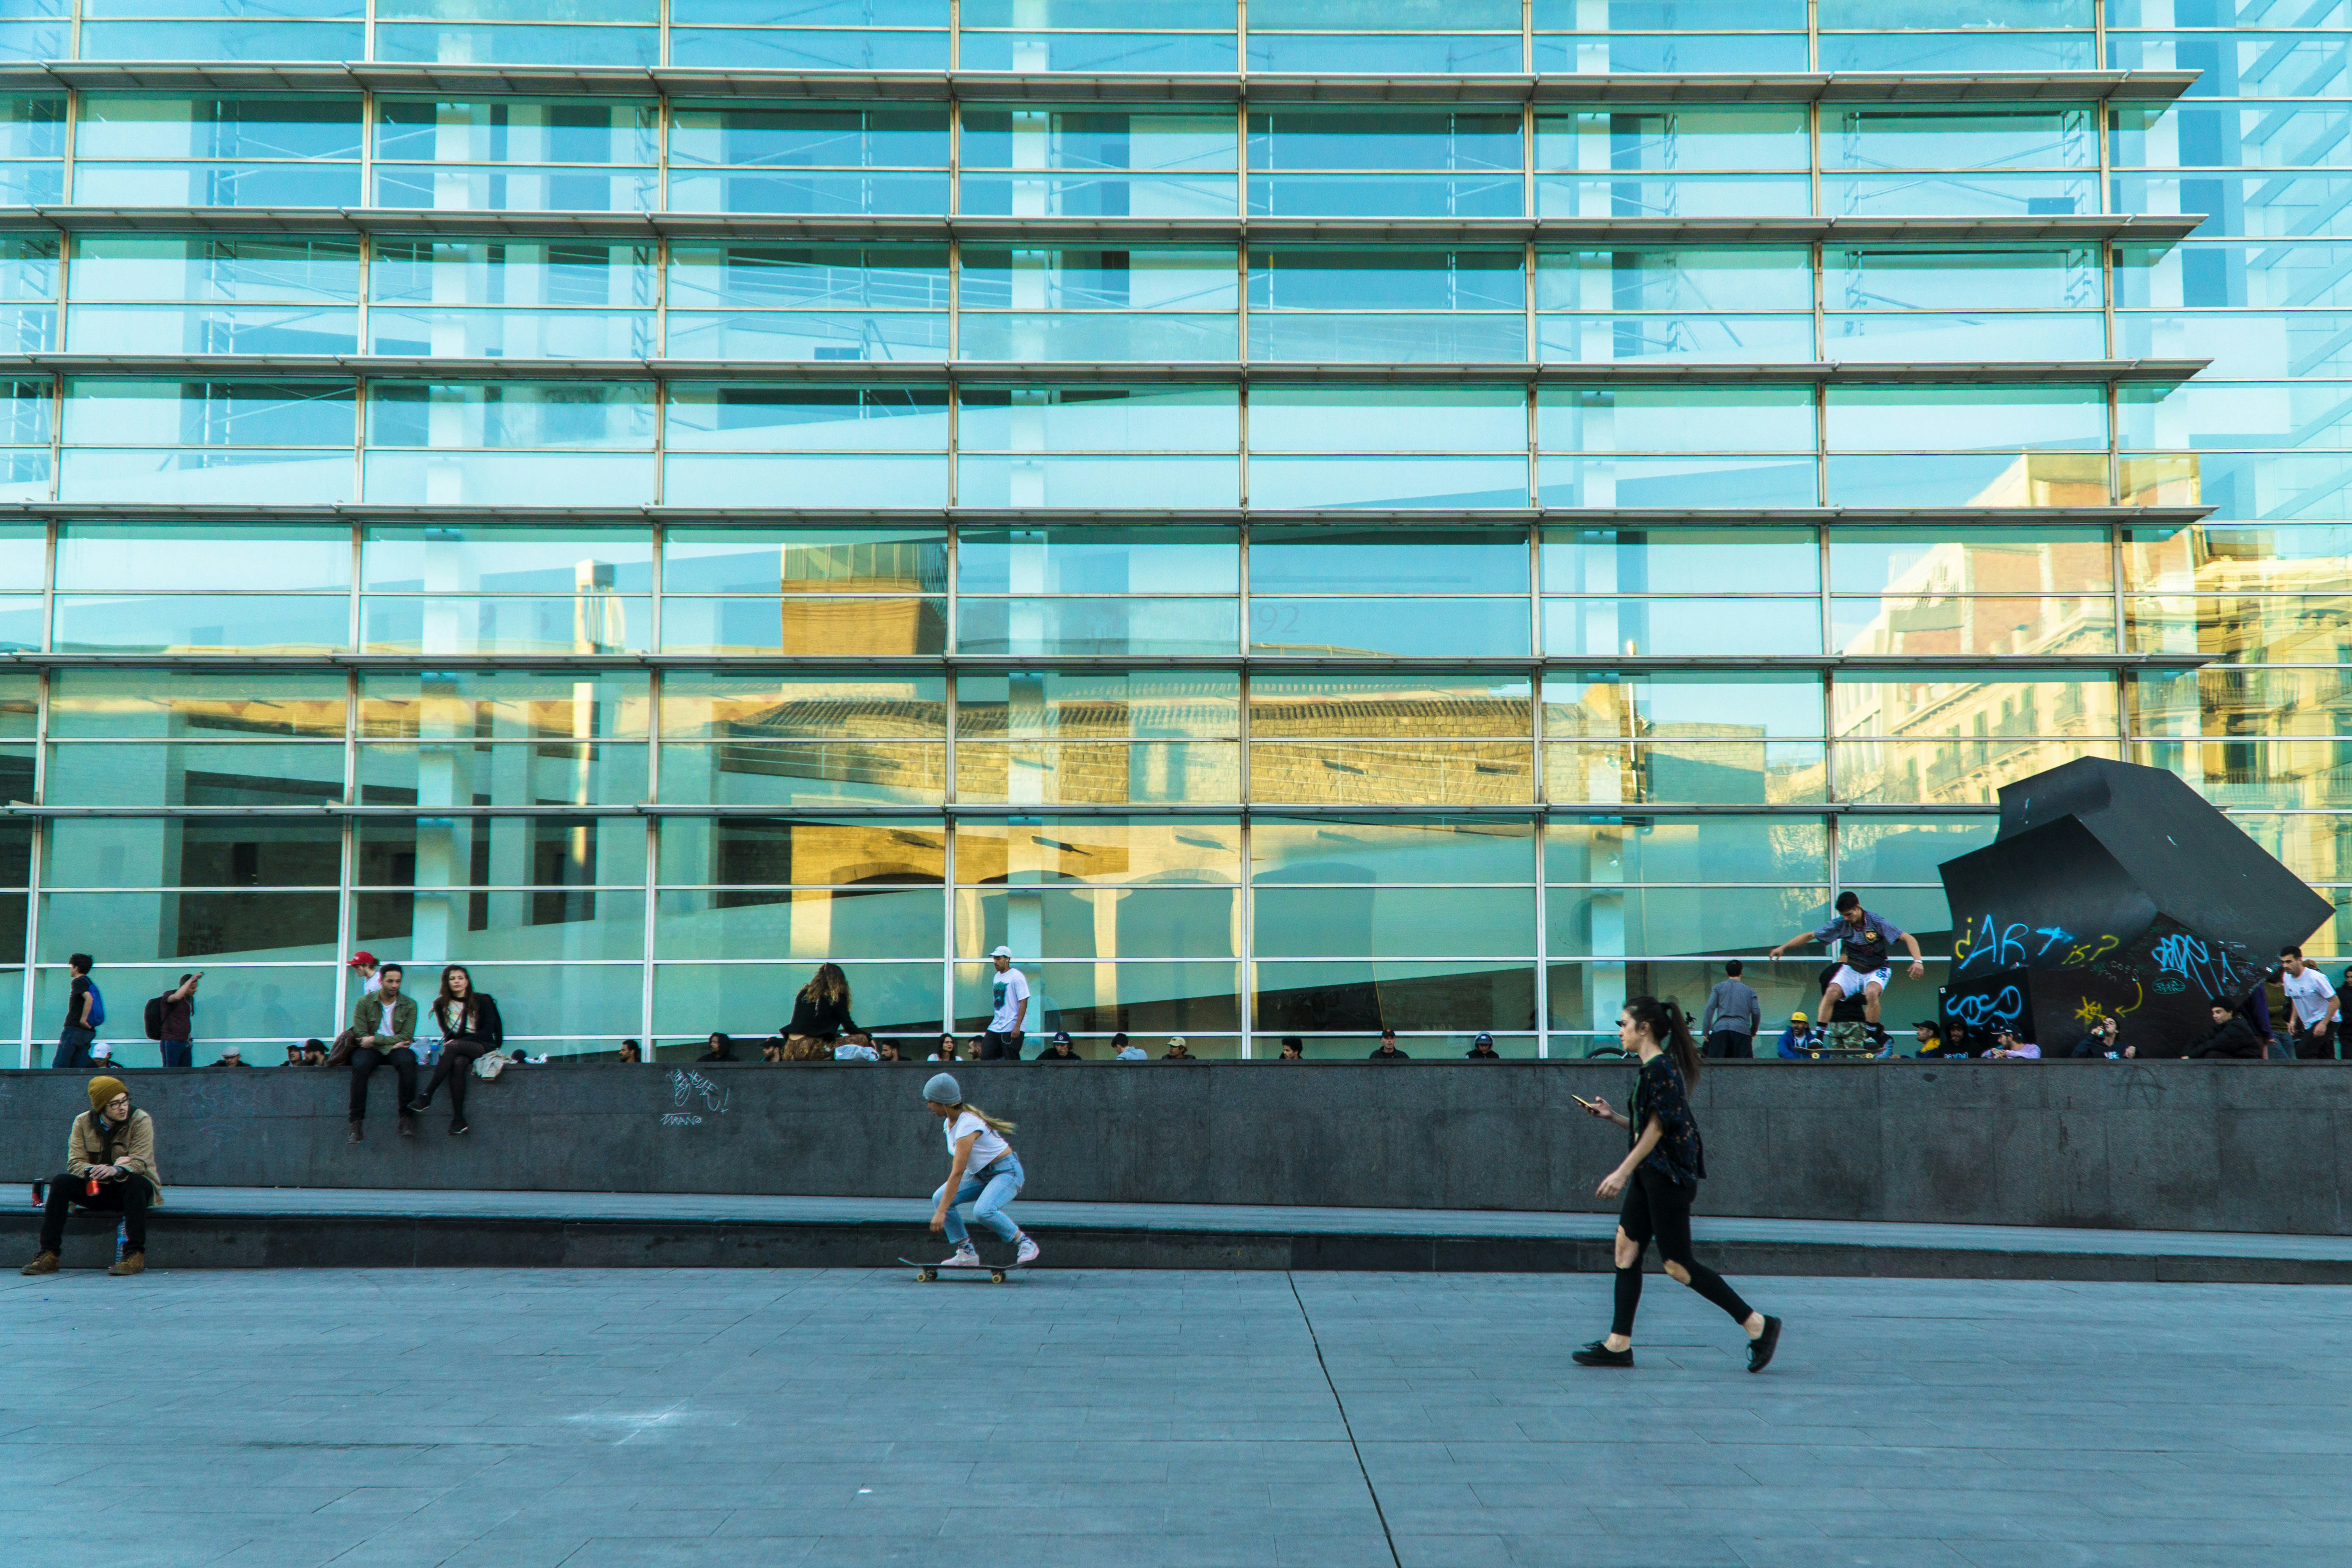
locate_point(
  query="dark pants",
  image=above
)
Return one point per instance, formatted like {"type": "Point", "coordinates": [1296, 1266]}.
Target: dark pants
{"type": "Point", "coordinates": [127, 1197]}
{"type": "Point", "coordinates": [2313, 1047]}
{"type": "Point", "coordinates": [1657, 1206]}
{"type": "Point", "coordinates": [1731, 1043]}
{"type": "Point", "coordinates": [73, 1047]}
{"type": "Point", "coordinates": [1001, 1048]}
{"type": "Point", "coordinates": [365, 1060]}
{"type": "Point", "coordinates": [455, 1066]}
{"type": "Point", "coordinates": [179, 1052]}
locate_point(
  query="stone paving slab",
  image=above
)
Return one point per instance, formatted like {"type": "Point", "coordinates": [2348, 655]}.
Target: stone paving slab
{"type": "Point", "coordinates": [613, 1419]}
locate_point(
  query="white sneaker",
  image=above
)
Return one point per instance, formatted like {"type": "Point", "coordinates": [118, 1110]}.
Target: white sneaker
{"type": "Point", "coordinates": [962, 1257]}
{"type": "Point", "coordinates": [1028, 1252]}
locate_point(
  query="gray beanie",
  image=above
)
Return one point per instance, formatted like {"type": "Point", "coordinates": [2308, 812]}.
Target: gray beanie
{"type": "Point", "coordinates": [942, 1090]}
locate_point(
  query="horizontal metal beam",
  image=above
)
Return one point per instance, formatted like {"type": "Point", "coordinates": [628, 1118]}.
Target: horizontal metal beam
{"type": "Point", "coordinates": [989, 517]}
{"type": "Point", "coordinates": [1501, 90]}
{"type": "Point", "coordinates": [2149, 228]}
{"type": "Point", "coordinates": [1033, 374]}
{"type": "Point", "coordinates": [936, 663]}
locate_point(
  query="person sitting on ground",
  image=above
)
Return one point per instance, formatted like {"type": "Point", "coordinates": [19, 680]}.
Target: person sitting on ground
{"type": "Point", "coordinates": [1796, 1039]}
{"type": "Point", "coordinates": [722, 1049]}
{"type": "Point", "coordinates": [1386, 1052]}
{"type": "Point", "coordinates": [631, 1051]}
{"type": "Point", "coordinates": [1121, 1049]}
{"type": "Point", "coordinates": [110, 1168]}
{"type": "Point", "coordinates": [1481, 1049]}
{"type": "Point", "coordinates": [230, 1057]}
{"type": "Point", "coordinates": [946, 1051]}
{"type": "Point", "coordinates": [2232, 1034]}
{"type": "Point", "coordinates": [887, 1050]}
{"type": "Point", "coordinates": [470, 1027]}
{"type": "Point", "coordinates": [1178, 1051]}
{"type": "Point", "coordinates": [1930, 1035]}
{"type": "Point", "coordinates": [293, 1055]}
{"type": "Point", "coordinates": [2007, 1046]}
{"type": "Point", "coordinates": [383, 1025]}
{"type": "Point", "coordinates": [821, 1018]}
{"type": "Point", "coordinates": [771, 1049]}
{"type": "Point", "coordinates": [314, 1053]}
{"type": "Point", "coordinates": [1293, 1049]}
{"type": "Point", "coordinates": [1060, 1050]}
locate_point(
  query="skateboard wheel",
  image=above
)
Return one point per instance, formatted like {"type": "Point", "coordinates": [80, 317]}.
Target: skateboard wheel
{"type": "Point", "coordinates": [928, 1276]}
{"type": "Point", "coordinates": [996, 1276]}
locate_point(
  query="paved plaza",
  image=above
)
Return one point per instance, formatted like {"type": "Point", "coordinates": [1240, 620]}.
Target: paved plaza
{"type": "Point", "coordinates": [613, 1419]}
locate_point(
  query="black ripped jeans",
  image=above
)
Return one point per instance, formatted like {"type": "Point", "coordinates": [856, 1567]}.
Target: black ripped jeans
{"type": "Point", "coordinates": [366, 1059]}
{"type": "Point", "coordinates": [456, 1064]}
{"type": "Point", "coordinates": [1657, 1206]}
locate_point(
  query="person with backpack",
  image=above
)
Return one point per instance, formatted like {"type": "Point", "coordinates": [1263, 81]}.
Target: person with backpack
{"type": "Point", "coordinates": [85, 1010]}
{"type": "Point", "coordinates": [170, 1021]}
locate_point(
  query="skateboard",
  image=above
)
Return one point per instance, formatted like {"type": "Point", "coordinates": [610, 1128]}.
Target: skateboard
{"type": "Point", "coordinates": [997, 1272]}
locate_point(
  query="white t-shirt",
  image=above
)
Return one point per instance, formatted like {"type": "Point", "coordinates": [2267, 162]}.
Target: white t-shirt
{"type": "Point", "coordinates": [2310, 992]}
{"type": "Point", "coordinates": [389, 1008]}
{"type": "Point", "coordinates": [988, 1147]}
{"type": "Point", "coordinates": [1012, 989]}
{"type": "Point", "coordinates": [848, 1051]}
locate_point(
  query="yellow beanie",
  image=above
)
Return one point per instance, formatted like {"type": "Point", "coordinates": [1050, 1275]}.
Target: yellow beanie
{"type": "Point", "coordinates": [102, 1090]}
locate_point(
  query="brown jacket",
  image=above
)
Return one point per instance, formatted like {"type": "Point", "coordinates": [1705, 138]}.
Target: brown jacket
{"type": "Point", "coordinates": [130, 1146]}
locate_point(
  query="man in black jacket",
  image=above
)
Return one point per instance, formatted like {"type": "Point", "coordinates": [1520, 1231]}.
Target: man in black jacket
{"type": "Point", "coordinates": [2230, 1036]}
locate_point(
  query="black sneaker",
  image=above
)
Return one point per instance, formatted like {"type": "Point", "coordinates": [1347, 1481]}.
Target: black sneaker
{"type": "Point", "coordinates": [1761, 1348]}
{"type": "Point", "coordinates": [457, 1128]}
{"type": "Point", "coordinates": [1598, 1353]}
{"type": "Point", "coordinates": [359, 1132]}
{"type": "Point", "coordinates": [422, 1102]}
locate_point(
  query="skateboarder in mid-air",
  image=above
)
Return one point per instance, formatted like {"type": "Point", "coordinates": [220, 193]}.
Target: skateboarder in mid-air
{"type": "Point", "coordinates": [982, 1165]}
{"type": "Point", "coordinates": [1862, 966]}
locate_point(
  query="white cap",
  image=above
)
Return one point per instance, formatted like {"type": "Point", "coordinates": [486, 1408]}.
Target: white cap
{"type": "Point", "coordinates": [101, 1052]}
{"type": "Point", "coordinates": [1001, 953]}
{"type": "Point", "coordinates": [1176, 1040]}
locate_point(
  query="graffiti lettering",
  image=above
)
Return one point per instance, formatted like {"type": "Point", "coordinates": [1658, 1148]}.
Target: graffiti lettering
{"type": "Point", "coordinates": [2089, 951]}
{"type": "Point", "coordinates": [2184, 956]}
{"type": "Point", "coordinates": [685, 1083]}
{"type": "Point", "coordinates": [2052, 936]}
{"type": "Point", "coordinates": [1974, 1011]}
{"type": "Point", "coordinates": [1998, 946]}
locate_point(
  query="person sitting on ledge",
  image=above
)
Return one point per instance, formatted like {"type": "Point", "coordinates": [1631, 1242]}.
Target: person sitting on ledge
{"type": "Point", "coordinates": [1293, 1049]}
{"type": "Point", "coordinates": [820, 1018]}
{"type": "Point", "coordinates": [1061, 1049]}
{"type": "Point", "coordinates": [1796, 1040]}
{"type": "Point", "coordinates": [722, 1049]}
{"type": "Point", "coordinates": [946, 1052]}
{"type": "Point", "coordinates": [111, 1168]}
{"type": "Point", "coordinates": [1481, 1049]}
{"type": "Point", "coordinates": [1386, 1052]}
{"type": "Point", "coordinates": [1178, 1051]}
{"type": "Point", "coordinates": [231, 1056]}
{"type": "Point", "coordinates": [2007, 1047]}
{"type": "Point", "coordinates": [1126, 1050]}
{"type": "Point", "coordinates": [2231, 1035]}
{"type": "Point", "coordinates": [632, 1052]}
{"type": "Point", "coordinates": [382, 1027]}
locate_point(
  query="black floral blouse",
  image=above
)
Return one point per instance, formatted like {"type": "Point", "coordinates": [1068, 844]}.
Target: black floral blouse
{"type": "Point", "coordinates": [1659, 1092]}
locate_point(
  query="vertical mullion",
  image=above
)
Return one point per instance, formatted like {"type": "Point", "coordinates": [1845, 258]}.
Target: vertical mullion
{"type": "Point", "coordinates": [347, 837]}
{"type": "Point", "coordinates": [367, 139]}
{"type": "Point", "coordinates": [1247, 976]}
{"type": "Point", "coordinates": [1543, 943]}
{"type": "Point", "coordinates": [27, 1056]}
{"type": "Point", "coordinates": [653, 827]}
{"type": "Point", "coordinates": [948, 942]}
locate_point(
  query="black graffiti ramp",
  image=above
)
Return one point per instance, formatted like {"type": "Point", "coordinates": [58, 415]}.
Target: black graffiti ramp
{"type": "Point", "coordinates": [2117, 887]}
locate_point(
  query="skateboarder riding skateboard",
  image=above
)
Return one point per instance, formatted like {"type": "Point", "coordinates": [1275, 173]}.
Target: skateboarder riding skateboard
{"type": "Point", "coordinates": [981, 1165]}
{"type": "Point", "coordinates": [1862, 966]}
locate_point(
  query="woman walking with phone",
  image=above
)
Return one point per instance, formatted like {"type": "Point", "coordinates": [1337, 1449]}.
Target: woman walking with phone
{"type": "Point", "coordinates": [980, 1165]}
{"type": "Point", "coordinates": [1658, 1178]}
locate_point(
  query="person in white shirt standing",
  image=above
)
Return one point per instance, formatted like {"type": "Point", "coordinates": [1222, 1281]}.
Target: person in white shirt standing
{"type": "Point", "coordinates": [1009, 999]}
{"type": "Point", "coordinates": [2313, 999]}
{"type": "Point", "coordinates": [981, 1165]}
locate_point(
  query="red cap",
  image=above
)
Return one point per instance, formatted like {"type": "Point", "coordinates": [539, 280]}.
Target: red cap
{"type": "Point", "coordinates": [362, 960]}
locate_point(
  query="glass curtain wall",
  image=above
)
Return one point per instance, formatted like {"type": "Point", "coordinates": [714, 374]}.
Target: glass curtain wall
{"type": "Point", "coordinates": [1447, 555]}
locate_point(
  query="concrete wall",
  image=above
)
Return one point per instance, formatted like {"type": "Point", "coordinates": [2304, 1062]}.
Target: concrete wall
{"type": "Point", "coordinates": [2165, 1145]}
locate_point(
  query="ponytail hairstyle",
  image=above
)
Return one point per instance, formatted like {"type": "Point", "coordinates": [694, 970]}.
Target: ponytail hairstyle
{"type": "Point", "coordinates": [965, 1108]}
{"type": "Point", "coordinates": [1670, 1029]}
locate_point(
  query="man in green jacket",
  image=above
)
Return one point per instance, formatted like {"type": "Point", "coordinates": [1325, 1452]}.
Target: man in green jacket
{"type": "Point", "coordinates": [385, 1023]}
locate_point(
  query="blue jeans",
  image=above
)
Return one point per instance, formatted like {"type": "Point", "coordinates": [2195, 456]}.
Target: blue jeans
{"type": "Point", "coordinates": [995, 1187]}
{"type": "Point", "coordinates": [178, 1054]}
{"type": "Point", "coordinates": [73, 1047]}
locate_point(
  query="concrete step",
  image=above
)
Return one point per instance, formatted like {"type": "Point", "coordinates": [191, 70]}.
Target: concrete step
{"type": "Point", "coordinates": [276, 1227]}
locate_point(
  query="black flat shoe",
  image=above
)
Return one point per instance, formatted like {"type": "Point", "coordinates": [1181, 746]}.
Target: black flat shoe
{"type": "Point", "coordinates": [1761, 1348]}
{"type": "Point", "coordinates": [422, 1102]}
{"type": "Point", "coordinates": [458, 1129]}
{"type": "Point", "coordinates": [1598, 1353]}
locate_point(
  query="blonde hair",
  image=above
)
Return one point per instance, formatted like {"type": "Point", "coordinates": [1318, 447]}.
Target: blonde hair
{"type": "Point", "coordinates": [827, 984]}
{"type": "Point", "coordinates": [996, 1123]}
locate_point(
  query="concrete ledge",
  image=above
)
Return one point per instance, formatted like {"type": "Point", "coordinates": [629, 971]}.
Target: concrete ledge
{"type": "Point", "coordinates": [2189, 1146]}
{"type": "Point", "coordinates": [262, 1229]}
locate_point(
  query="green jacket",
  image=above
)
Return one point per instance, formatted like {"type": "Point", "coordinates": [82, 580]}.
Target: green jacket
{"type": "Point", "coordinates": [367, 1019]}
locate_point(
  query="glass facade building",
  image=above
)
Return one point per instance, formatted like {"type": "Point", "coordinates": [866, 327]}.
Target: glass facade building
{"type": "Point", "coordinates": [1297, 518]}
